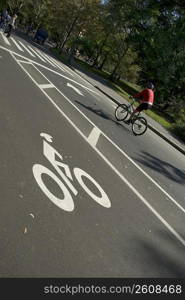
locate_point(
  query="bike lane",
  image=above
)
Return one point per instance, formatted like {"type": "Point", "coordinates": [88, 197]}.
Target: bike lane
{"type": "Point", "coordinates": [39, 238]}
{"type": "Point", "coordinates": [156, 157]}
{"type": "Point", "coordinates": [157, 199]}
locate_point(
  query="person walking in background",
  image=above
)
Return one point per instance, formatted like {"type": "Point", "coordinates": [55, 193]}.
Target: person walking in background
{"type": "Point", "coordinates": [3, 19]}
{"type": "Point", "coordinates": [11, 25]}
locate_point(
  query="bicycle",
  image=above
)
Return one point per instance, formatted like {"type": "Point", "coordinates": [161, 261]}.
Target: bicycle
{"type": "Point", "coordinates": [139, 123]}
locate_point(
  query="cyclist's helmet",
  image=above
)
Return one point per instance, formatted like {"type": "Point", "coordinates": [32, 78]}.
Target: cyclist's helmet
{"type": "Point", "coordinates": [150, 86]}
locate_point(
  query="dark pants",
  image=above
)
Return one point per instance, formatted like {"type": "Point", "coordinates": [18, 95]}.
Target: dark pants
{"type": "Point", "coordinates": [144, 106]}
{"type": "Point", "coordinates": [9, 30]}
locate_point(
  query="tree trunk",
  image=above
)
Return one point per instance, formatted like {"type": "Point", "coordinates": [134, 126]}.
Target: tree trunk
{"type": "Point", "coordinates": [71, 54]}
{"type": "Point", "coordinates": [100, 51]}
{"type": "Point", "coordinates": [69, 32]}
{"type": "Point", "coordinates": [112, 75]}
{"type": "Point", "coordinates": [103, 62]}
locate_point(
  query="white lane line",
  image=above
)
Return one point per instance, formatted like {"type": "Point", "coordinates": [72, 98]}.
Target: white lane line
{"type": "Point", "coordinates": [144, 173]}
{"type": "Point", "coordinates": [54, 62]}
{"type": "Point", "coordinates": [46, 86]}
{"type": "Point", "coordinates": [5, 39]}
{"type": "Point", "coordinates": [60, 66]}
{"type": "Point", "coordinates": [66, 70]}
{"type": "Point", "coordinates": [16, 44]}
{"type": "Point", "coordinates": [24, 62]}
{"type": "Point", "coordinates": [31, 53]}
{"type": "Point", "coordinates": [51, 70]}
{"type": "Point", "coordinates": [94, 137]}
{"type": "Point", "coordinates": [36, 53]}
{"type": "Point", "coordinates": [159, 217]}
{"type": "Point", "coordinates": [45, 57]}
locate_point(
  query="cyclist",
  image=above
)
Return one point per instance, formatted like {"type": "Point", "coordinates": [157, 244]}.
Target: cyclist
{"type": "Point", "coordinates": [146, 97]}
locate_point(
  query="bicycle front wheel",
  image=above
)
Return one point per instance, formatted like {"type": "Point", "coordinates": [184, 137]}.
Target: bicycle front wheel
{"type": "Point", "coordinates": [121, 112]}
{"type": "Point", "coordinates": [139, 126]}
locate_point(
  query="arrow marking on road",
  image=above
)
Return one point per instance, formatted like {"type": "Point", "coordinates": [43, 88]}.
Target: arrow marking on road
{"type": "Point", "coordinates": [46, 136]}
{"type": "Point", "coordinates": [74, 88]}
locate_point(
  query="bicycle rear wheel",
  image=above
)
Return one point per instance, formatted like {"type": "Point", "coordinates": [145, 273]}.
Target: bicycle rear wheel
{"type": "Point", "coordinates": [139, 126]}
{"type": "Point", "coordinates": [121, 112]}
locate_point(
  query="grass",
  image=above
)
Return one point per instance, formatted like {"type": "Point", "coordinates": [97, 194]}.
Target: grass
{"type": "Point", "coordinates": [166, 124]}
{"type": "Point", "coordinates": [179, 130]}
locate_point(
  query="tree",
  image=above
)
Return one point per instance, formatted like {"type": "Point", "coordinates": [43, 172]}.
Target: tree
{"type": "Point", "coordinates": [159, 41]}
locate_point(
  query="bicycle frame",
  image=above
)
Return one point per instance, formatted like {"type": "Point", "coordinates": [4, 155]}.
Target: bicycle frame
{"type": "Point", "coordinates": [131, 109]}
{"type": "Point", "coordinates": [139, 123]}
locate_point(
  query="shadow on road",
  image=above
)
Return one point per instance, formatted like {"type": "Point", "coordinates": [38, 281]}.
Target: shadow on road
{"type": "Point", "coordinates": [99, 112]}
{"type": "Point", "coordinates": [162, 167]}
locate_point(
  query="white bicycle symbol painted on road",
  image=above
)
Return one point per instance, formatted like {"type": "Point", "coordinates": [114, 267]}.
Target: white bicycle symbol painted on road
{"type": "Point", "coordinates": [66, 177]}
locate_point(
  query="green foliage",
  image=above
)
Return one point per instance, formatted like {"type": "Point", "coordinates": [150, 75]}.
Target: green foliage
{"type": "Point", "coordinates": [134, 40]}
{"type": "Point", "coordinates": [158, 40]}
{"type": "Point", "coordinates": [3, 4]}
{"type": "Point", "coordinates": [179, 130]}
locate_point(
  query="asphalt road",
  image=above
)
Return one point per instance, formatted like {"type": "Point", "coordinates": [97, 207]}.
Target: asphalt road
{"type": "Point", "coordinates": [80, 195]}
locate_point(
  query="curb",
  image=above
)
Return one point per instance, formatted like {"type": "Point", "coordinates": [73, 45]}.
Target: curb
{"type": "Point", "coordinates": [177, 147]}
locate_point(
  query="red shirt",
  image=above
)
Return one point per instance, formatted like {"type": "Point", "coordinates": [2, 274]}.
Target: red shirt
{"type": "Point", "coordinates": [147, 96]}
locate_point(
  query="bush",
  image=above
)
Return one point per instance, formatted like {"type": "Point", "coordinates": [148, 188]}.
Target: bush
{"type": "Point", "coordinates": [179, 130]}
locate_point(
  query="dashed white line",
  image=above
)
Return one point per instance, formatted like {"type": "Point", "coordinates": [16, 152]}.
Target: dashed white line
{"type": "Point", "coordinates": [94, 137]}
{"type": "Point", "coordinates": [46, 86]}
